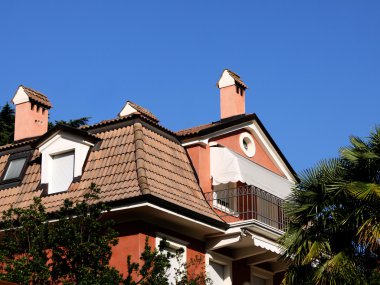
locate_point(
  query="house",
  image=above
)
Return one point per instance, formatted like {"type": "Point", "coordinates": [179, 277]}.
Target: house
{"type": "Point", "coordinates": [215, 190]}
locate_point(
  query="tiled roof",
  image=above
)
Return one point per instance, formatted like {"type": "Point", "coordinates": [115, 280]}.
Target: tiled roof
{"type": "Point", "coordinates": [37, 96]}
{"type": "Point", "coordinates": [131, 160]}
{"type": "Point", "coordinates": [17, 144]}
{"type": "Point", "coordinates": [143, 111]}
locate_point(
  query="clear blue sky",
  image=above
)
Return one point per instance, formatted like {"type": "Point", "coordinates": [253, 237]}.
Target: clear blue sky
{"type": "Point", "coordinates": [313, 67]}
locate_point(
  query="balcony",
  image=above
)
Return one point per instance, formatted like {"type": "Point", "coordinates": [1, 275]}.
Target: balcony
{"type": "Point", "coordinates": [248, 203]}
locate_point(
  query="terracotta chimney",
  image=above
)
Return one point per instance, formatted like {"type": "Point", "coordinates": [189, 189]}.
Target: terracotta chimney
{"type": "Point", "coordinates": [232, 94]}
{"type": "Point", "coordinates": [32, 113]}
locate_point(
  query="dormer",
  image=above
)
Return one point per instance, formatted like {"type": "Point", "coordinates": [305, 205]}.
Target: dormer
{"type": "Point", "coordinates": [64, 151]}
{"type": "Point", "coordinates": [32, 113]}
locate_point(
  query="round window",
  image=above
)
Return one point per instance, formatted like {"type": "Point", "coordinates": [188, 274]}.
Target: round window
{"type": "Point", "coordinates": [247, 144]}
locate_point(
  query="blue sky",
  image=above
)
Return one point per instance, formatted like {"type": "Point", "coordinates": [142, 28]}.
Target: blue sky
{"type": "Point", "coordinates": [313, 67]}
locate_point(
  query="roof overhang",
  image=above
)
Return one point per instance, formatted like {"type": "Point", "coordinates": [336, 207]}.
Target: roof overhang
{"type": "Point", "coordinates": [165, 218]}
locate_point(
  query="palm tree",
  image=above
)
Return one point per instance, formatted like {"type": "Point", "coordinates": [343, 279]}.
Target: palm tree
{"type": "Point", "coordinates": [334, 230]}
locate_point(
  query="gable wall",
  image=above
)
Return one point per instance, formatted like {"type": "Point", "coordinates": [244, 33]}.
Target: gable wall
{"type": "Point", "coordinates": [261, 157]}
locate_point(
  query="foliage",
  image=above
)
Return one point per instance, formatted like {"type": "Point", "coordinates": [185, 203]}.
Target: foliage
{"type": "Point", "coordinates": [7, 120]}
{"type": "Point", "coordinates": [334, 230]}
{"type": "Point", "coordinates": [7, 124]}
{"type": "Point", "coordinates": [154, 265]}
{"type": "Point", "coordinates": [75, 123]}
{"type": "Point", "coordinates": [74, 247]}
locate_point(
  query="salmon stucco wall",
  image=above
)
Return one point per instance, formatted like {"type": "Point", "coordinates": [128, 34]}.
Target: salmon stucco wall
{"type": "Point", "coordinates": [132, 236]}
{"type": "Point", "coordinates": [200, 157]}
{"type": "Point", "coordinates": [132, 242]}
{"type": "Point", "coordinates": [231, 103]}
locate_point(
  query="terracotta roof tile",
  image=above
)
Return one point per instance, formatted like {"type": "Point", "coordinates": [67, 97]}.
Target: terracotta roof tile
{"type": "Point", "coordinates": [37, 96]}
{"type": "Point", "coordinates": [17, 144]}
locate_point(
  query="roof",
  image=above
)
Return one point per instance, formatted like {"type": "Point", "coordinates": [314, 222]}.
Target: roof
{"type": "Point", "coordinates": [132, 159]}
{"type": "Point", "coordinates": [143, 111]}
{"type": "Point", "coordinates": [37, 96]}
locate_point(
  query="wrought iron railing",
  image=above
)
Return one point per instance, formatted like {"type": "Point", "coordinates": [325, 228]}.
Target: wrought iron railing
{"type": "Point", "coordinates": [249, 203]}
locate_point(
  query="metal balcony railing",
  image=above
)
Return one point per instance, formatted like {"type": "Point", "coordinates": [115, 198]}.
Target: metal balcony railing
{"type": "Point", "coordinates": [248, 203]}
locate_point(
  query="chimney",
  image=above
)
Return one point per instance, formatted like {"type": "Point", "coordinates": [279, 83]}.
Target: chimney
{"type": "Point", "coordinates": [232, 94]}
{"type": "Point", "coordinates": [32, 113]}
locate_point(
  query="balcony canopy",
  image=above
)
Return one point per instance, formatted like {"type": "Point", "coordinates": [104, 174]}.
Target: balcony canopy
{"type": "Point", "coordinates": [228, 166]}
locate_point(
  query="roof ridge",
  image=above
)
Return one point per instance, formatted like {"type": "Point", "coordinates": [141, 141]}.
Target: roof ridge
{"type": "Point", "coordinates": [138, 140]}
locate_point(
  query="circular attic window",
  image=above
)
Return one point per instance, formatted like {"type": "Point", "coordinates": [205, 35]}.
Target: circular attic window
{"type": "Point", "coordinates": [247, 144]}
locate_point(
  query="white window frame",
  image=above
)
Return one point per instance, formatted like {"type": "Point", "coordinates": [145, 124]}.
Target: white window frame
{"type": "Point", "coordinates": [222, 260]}
{"type": "Point", "coordinates": [174, 243]}
{"type": "Point", "coordinates": [251, 147]}
{"type": "Point", "coordinates": [9, 167]}
{"type": "Point", "coordinates": [51, 174]}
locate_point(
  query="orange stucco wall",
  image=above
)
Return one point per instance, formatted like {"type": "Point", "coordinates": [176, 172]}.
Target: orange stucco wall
{"type": "Point", "coordinates": [30, 121]}
{"type": "Point", "coordinates": [132, 242]}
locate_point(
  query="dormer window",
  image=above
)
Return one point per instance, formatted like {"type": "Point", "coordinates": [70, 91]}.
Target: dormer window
{"type": "Point", "coordinates": [64, 151]}
{"type": "Point", "coordinates": [62, 171]}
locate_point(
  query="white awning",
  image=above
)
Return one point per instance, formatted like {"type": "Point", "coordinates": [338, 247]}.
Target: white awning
{"type": "Point", "coordinates": [266, 244]}
{"type": "Point", "coordinates": [228, 166]}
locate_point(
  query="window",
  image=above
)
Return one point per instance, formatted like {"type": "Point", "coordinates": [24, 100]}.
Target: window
{"type": "Point", "coordinates": [62, 173]}
{"type": "Point", "coordinates": [175, 264]}
{"type": "Point", "coordinates": [219, 268]}
{"type": "Point", "coordinates": [247, 144]}
{"type": "Point", "coordinates": [14, 170]}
